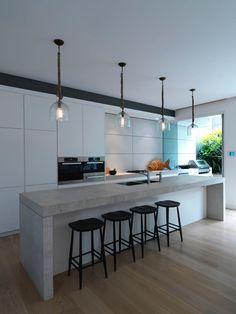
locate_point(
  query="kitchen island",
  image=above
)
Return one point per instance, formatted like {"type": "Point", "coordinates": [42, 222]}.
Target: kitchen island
{"type": "Point", "coordinates": [44, 216]}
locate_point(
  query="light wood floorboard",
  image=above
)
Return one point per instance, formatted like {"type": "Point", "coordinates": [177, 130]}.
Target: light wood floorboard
{"type": "Point", "coordinates": [197, 276]}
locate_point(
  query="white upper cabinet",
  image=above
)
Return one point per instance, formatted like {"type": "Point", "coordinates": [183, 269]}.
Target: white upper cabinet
{"type": "Point", "coordinates": [11, 157]}
{"type": "Point", "coordinates": [93, 130]}
{"type": "Point", "coordinates": [70, 139]}
{"type": "Point", "coordinates": [11, 108]}
{"type": "Point", "coordinates": [37, 113]}
{"type": "Point", "coordinates": [40, 157]}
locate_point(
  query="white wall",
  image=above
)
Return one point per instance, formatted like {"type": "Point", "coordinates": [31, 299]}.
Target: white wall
{"type": "Point", "coordinates": [228, 108]}
{"type": "Point", "coordinates": [132, 148]}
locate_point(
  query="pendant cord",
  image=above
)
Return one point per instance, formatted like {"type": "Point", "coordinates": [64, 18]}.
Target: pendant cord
{"type": "Point", "coordinates": [59, 93]}
{"type": "Point", "coordinates": [162, 100]}
{"type": "Point", "coordinates": [193, 109]}
{"type": "Point", "coordinates": [122, 92]}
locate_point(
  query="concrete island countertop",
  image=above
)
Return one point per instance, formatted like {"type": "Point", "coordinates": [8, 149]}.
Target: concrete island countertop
{"type": "Point", "coordinates": [54, 202]}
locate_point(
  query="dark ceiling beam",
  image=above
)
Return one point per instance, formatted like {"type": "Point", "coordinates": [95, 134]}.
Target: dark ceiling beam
{"type": "Point", "coordinates": [49, 88]}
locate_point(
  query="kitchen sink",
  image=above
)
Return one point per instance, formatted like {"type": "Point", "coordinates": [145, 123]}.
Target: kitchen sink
{"type": "Point", "coordinates": [130, 183]}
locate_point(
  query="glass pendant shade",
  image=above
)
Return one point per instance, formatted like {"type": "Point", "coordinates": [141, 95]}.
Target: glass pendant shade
{"type": "Point", "coordinates": [122, 120]}
{"type": "Point", "coordinates": [192, 130]}
{"type": "Point", "coordinates": [164, 124]}
{"type": "Point", "coordinates": [59, 111]}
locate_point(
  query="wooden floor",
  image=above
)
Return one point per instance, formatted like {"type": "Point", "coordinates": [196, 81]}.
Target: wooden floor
{"type": "Point", "coordinates": [198, 276]}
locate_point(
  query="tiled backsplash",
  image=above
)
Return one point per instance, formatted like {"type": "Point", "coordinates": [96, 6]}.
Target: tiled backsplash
{"type": "Point", "coordinates": [132, 148]}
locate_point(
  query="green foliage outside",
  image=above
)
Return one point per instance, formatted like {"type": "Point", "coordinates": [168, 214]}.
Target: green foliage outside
{"type": "Point", "coordinates": [209, 148]}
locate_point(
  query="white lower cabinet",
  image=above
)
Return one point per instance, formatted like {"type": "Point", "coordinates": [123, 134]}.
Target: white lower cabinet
{"type": "Point", "coordinates": [9, 209]}
{"type": "Point", "coordinates": [40, 157]}
{"type": "Point", "coordinates": [41, 187]}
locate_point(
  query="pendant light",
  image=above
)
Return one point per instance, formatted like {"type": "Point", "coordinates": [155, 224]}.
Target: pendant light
{"type": "Point", "coordinates": [192, 128]}
{"type": "Point", "coordinates": [59, 111]}
{"type": "Point", "coordinates": [122, 118]}
{"type": "Point", "coordinates": [164, 124]}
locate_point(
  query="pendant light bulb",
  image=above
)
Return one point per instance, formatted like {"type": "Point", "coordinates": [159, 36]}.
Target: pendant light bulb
{"type": "Point", "coordinates": [164, 124]}
{"type": "Point", "coordinates": [192, 129]}
{"type": "Point", "coordinates": [122, 119]}
{"type": "Point", "coordinates": [59, 111]}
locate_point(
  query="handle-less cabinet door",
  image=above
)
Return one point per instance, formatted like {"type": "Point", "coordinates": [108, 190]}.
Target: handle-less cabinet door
{"type": "Point", "coordinates": [11, 157]}
{"type": "Point", "coordinates": [11, 108]}
{"type": "Point", "coordinates": [40, 157]}
{"type": "Point", "coordinates": [70, 140]}
{"type": "Point", "coordinates": [94, 130]}
{"type": "Point", "coordinates": [37, 110]}
{"type": "Point", "coordinates": [9, 209]}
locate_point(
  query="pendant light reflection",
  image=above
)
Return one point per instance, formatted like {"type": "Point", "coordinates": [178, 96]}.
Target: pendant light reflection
{"type": "Point", "coordinates": [192, 129]}
{"type": "Point", "coordinates": [122, 119]}
{"type": "Point", "coordinates": [59, 111]}
{"type": "Point", "coordinates": [164, 124]}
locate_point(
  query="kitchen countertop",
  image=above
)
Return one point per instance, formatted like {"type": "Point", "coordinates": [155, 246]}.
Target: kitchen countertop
{"type": "Point", "coordinates": [54, 202]}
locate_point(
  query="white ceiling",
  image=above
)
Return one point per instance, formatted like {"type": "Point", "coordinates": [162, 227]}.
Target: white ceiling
{"type": "Point", "coordinates": [192, 42]}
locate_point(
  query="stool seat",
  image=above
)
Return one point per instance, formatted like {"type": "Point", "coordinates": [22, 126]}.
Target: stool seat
{"type": "Point", "coordinates": [84, 225]}
{"type": "Point", "coordinates": [119, 215]}
{"type": "Point", "coordinates": [167, 203]}
{"type": "Point", "coordinates": [144, 209]}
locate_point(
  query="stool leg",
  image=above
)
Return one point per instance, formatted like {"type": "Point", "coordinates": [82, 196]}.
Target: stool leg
{"type": "Point", "coordinates": [114, 244]}
{"type": "Point", "coordinates": [103, 234]}
{"type": "Point", "coordinates": [145, 228]}
{"type": "Point", "coordinates": [131, 237]}
{"type": "Point", "coordinates": [92, 247]}
{"type": "Point", "coordinates": [142, 249]}
{"type": "Point", "coordinates": [80, 260]}
{"type": "Point", "coordinates": [71, 251]}
{"type": "Point", "coordinates": [180, 228]}
{"type": "Point", "coordinates": [103, 251]}
{"type": "Point", "coordinates": [156, 231]}
{"type": "Point", "coordinates": [167, 226]}
{"type": "Point", "coordinates": [119, 236]}
{"type": "Point", "coordinates": [157, 212]}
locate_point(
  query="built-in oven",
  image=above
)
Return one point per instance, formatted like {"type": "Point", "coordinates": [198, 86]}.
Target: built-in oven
{"type": "Point", "coordinates": [80, 169]}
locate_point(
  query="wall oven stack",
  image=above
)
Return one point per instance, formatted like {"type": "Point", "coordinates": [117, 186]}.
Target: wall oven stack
{"type": "Point", "coordinates": [80, 169]}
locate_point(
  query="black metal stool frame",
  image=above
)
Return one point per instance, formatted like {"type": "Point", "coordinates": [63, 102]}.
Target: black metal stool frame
{"type": "Point", "coordinates": [94, 253]}
{"type": "Point", "coordinates": [165, 228]}
{"type": "Point", "coordinates": [110, 247]}
{"type": "Point", "coordinates": [141, 237]}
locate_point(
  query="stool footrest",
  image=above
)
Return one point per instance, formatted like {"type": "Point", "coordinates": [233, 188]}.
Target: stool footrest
{"type": "Point", "coordinates": [137, 236]}
{"type": "Point", "coordinates": [77, 265]}
{"type": "Point", "coordinates": [110, 250]}
{"type": "Point", "coordinates": [163, 228]}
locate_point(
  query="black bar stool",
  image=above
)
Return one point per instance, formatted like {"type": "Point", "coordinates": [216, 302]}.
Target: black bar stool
{"type": "Point", "coordinates": [141, 237]}
{"type": "Point", "coordinates": [86, 225]}
{"type": "Point", "coordinates": [111, 247]}
{"type": "Point", "coordinates": [165, 229]}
